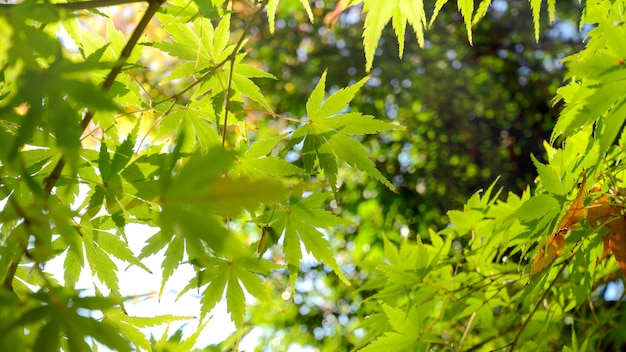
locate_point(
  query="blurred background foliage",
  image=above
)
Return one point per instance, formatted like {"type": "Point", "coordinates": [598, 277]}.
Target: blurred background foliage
{"type": "Point", "coordinates": [472, 114]}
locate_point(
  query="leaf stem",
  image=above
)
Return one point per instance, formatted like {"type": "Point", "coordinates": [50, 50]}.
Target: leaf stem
{"type": "Point", "coordinates": [156, 121]}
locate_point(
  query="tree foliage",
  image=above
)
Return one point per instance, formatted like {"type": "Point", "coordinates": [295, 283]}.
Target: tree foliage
{"type": "Point", "coordinates": [238, 187]}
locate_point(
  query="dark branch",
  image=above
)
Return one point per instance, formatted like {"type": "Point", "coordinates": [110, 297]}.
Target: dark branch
{"type": "Point", "coordinates": [83, 5]}
{"type": "Point", "coordinates": [15, 262]}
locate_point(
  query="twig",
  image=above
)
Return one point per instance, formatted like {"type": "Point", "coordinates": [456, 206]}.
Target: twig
{"type": "Point", "coordinates": [154, 124]}
{"type": "Point", "coordinates": [539, 301]}
{"type": "Point", "coordinates": [467, 329]}
{"type": "Point", "coordinates": [278, 116]}
{"type": "Point", "coordinates": [214, 69]}
{"type": "Point", "coordinates": [227, 97]}
{"type": "Point", "coordinates": [83, 5]}
{"type": "Point", "coordinates": [479, 346]}
{"type": "Point", "coordinates": [15, 262]}
{"type": "Point", "coordinates": [221, 63]}
{"type": "Point", "coordinates": [232, 58]}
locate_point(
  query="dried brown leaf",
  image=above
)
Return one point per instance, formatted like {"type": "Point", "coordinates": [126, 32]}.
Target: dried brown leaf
{"type": "Point", "coordinates": [603, 213]}
{"type": "Point", "coordinates": [575, 213]}
{"type": "Point", "coordinates": [547, 254]}
{"type": "Point", "coordinates": [617, 242]}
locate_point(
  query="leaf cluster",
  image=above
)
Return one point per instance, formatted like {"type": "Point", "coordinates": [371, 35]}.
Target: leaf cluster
{"type": "Point", "coordinates": [239, 192]}
{"type": "Point", "coordinates": [73, 179]}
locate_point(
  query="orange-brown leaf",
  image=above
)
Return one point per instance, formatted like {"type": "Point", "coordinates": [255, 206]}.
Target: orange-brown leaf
{"type": "Point", "coordinates": [576, 211]}
{"type": "Point", "coordinates": [603, 213]}
{"type": "Point", "coordinates": [332, 17]}
{"type": "Point", "coordinates": [605, 250]}
{"type": "Point", "coordinates": [547, 254]}
{"type": "Point", "coordinates": [617, 242]}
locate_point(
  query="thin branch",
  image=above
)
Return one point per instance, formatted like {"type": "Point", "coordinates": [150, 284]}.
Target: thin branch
{"type": "Point", "coordinates": [276, 115]}
{"type": "Point", "coordinates": [83, 5]}
{"type": "Point", "coordinates": [232, 58]}
{"type": "Point", "coordinates": [467, 329]}
{"type": "Point", "coordinates": [15, 262]}
{"type": "Point", "coordinates": [132, 42]}
{"type": "Point", "coordinates": [156, 121]}
{"type": "Point", "coordinates": [539, 302]}
{"type": "Point", "coordinates": [593, 310]}
{"type": "Point", "coordinates": [227, 97]}
{"type": "Point", "coordinates": [153, 6]}
{"type": "Point", "coordinates": [479, 346]}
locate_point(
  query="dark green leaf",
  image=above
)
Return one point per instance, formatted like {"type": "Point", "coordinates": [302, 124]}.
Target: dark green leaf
{"type": "Point", "coordinates": [48, 337]}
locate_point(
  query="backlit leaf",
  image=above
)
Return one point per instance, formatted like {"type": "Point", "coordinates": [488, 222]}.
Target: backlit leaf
{"type": "Point", "coordinates": [272, 5]}
{"type": "Point", "coordinates": [100, 262]}
{"type": "Point", "coordinates": [251, 90]}
{"type": "Point", "coordinates": [325, 136]}
{"type": "Point", "coordinates": [467, 9]}
{"type": "Point", "coordinates": [235, 299]}
{"type": "Point", "coordinates": [535, 5]}
{"type": "Point", "coordinates": [214, 292]}
{"type": "Point", "coordinates": [379, 13]}
{"type": "Point", "coordinates": [294, 223]}
{"type": "Point", "coordinates": [307, 7]}
{"type": "Point", "coordinates": [550, 178]}
{"type": "Point", "coordinates": [603, 213]}
{"type": "Point", "coordinates": [576, 210]}
{"type": "Point", "coordinates": [353, 153]}
{"type": "Point", "coordinates": [172, 259]}
{"type": "Point", "coordinates": [336, 102]}
{"type": "Point", "coordinates": [48, 337]}
{"type": "Point", "coordinates": [412, 11]}
{"type": "Point", "coordinates": [537, 207]}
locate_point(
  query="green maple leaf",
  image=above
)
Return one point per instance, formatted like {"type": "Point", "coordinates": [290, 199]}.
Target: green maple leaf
{"type": "Point", "coordinates": [129, 325]}
{"type": "Point", "coordinates": [300, 222]}
{"type": "Point", "coordinates": [99, 260]}
{"type": "Point", "coordinates": [228, 275]}
{"type": "Point", "coordinates": [326, 133]}
{"type": "Point", "coordinates": [194, 199]}
{"type": "Point", "coordinates": [242, 81]}
{"type": "Point", "coordinates": [400, 12]}
{"type": "Point", "coordinates": [201, 43]}
{"type": "Point", "coordinates": [272, 6]}
{"type": "Point", "coordinates": [256, 162]}
{"type": "Point", "coordinates": [198, 122]}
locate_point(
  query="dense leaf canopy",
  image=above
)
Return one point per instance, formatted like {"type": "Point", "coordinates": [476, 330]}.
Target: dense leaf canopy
{"type": "Point", "coordinates": [304, 160]}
